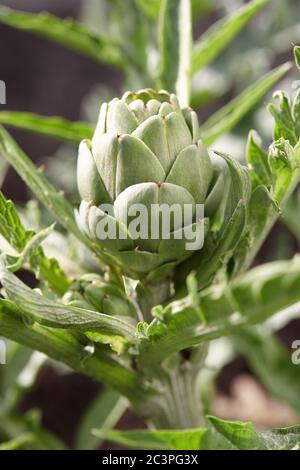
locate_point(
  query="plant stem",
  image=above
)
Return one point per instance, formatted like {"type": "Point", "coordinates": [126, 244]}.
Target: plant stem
{"type": "Point", "coordinates": [65, 347]}
{"type": "Point", "coordinates": [180, 404]}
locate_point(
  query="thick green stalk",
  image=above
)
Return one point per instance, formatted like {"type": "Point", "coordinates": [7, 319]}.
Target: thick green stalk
{"type": "Point", "coordinates": [63, 346]}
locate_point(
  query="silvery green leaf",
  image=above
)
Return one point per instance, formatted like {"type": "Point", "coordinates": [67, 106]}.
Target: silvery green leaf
{"type": "Point", "coordinates": [218, 435]}
{"type": "Point", "coordinates": [215, 39]}
{"type": "Point", "coordinates": [249, 299]}
{"type": "Point", "coordinates": [48, 312]}
{"type": "Point", "coordinates": [284, 121]}
{"type": "Point", "coordinates": [227, 117]}
{"type": "Point", "coordinates": [257, 158]}
{"type": "Point", "coordinates": [26, 243]}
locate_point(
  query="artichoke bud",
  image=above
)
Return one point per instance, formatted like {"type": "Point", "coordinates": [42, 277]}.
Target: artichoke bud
{"type": "Point", "coordinates": [147, 151]}
{"type": "Point", "coordinates": [92, 292]}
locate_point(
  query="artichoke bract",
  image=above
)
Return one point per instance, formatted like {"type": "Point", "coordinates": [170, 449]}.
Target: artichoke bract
{"type": "Point", "coordinates": [146, 151]}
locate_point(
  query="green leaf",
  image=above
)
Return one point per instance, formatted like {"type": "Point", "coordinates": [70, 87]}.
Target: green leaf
{"type": "Point", "coordinates": [11, 227]}
{"type": "Point", "coordinates": [272, 364]}
{"type": "Point", "coordinates": [44, 190]}
{"type": "Point", "coordinates": [282, 160]}
{"type": "Point", "coordinates": [257, 158]}
{"type": "Point", "coordinates": [227, 117]}
{"type": "Point", "coordinates": [244, 437]}
{"type": "Point", "coordinates": [27, 243]}
{"type": "Point", "coordinates": [215, 252]}
{"type": "Point", "coordinates": [266, 204]}
{"type": "Point", "coordinates": [175, 38]}
{"type": "Point", "coordinates": [61, 345]}
{"type": "Point", "coordinates": [67, 32]}
{"type": "Point", "coordinates": [104, 413]}
{"type": "Point", "coordinates": [30, 248]}
{"type": "Point", "coordinates": [220, 435]}
{"type": "Point", "coordinates": [48, 312]}
{"type": "Point", "coordinates": [151, 440]}
{"type": "Point", "coordinates": [285, 126]}
{"type": "Point", "coordinates": [55, 127]}
{"type": "Point", "coordinates": [240, 186]}
{"type": "Point", "coordinates": [249, 299]}
{"type": "Point", "coordinates": [262, 210]}
{"type": "Point", "coordinates": [39, 183]}
{"type": "Point", "coordinates": [216, 38]}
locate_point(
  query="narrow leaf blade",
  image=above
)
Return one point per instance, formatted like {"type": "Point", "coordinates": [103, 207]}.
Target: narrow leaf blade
{"type": "Point", "coordinates": [54, 127]}
{"type": "Point", "coordinates": [228, 116]}
{"type": "Point", "coordinates": [221, 33]}
{"type": "Point", "coordinates": [68, 33]}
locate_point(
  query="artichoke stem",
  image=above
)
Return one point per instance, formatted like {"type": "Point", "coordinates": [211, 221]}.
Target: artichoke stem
{"type": "Point", "coordinates": [180, 406]}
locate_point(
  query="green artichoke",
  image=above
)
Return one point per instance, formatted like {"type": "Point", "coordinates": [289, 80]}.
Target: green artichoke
{"type": "Point", "coordinates": [146, 150]}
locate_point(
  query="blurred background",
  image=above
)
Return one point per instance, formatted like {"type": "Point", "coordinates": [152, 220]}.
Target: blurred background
{"type": "Point", "coordinates": [47, 79]}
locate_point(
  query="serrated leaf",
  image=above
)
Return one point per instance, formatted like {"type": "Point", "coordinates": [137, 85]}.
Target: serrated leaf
{"type": "Point", "coordinates": [249, 299]}
{"type": "Point", "coordinates": [68, 32]}
{"type": "Point", "coordinates": [244, 437]}
{"type": "Point", "coordinates": [220, 435]}
{"type": "Point", "coordinates": [215, 252]}
{"type": "Point", "coordinates": [54, 127]}
{"type": "Point", "coordinates": [30, 248]}
{"type": "Point", "coordinates": [48, 312]}
{"type": "Point", "coordinates": [227, 117]}
{"type": "Point", "coordinates": [63, 346]}
{"type": "Point", "coordinates": [257, 158]}
{"type": "Point", "coordinates": [213, 41]}
{"type": "Point", "coordinates": [281, 161]}
{"type": "Point", "coordinates": [240, 186]}
{"type": "Point", "coordinates": [27, 243]}
{"type": "Point", "coordinates": [262, 210]}
{"type": "Point", "coordinates": [11, 227]}
{"type": "Point", "coordinates": [284, 122]}
{"type": "Point", "coordinates": [175, 39]}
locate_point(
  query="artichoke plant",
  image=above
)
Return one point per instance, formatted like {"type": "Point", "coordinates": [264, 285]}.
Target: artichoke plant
{"type": "Point", "coordinates": [147, 150]}
{"type": "Point", "coordinates": [138, 313]}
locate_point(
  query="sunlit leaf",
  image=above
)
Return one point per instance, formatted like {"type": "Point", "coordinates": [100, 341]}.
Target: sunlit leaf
{"type": "Point", "coordinates": [54, 127]}
{"type": "Point", "coordinates": [67, 32]}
